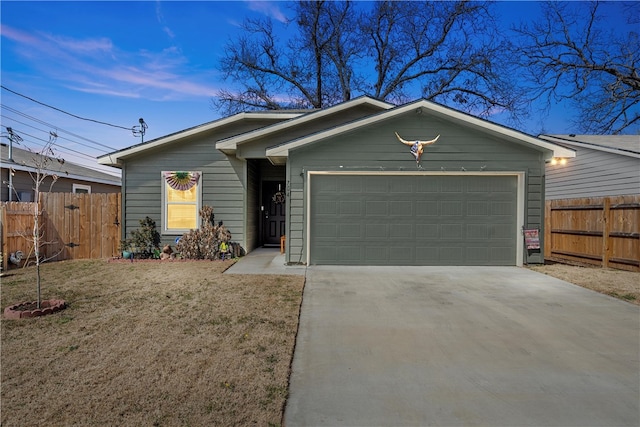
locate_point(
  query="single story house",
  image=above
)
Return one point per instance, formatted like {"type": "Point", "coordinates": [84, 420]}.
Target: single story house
{"type": "Point", "coordinates": [72, 178]}
{"type": "Point", "coordinates": [343, 187]}
{"type": "Point", "coordinates": [605, 165]}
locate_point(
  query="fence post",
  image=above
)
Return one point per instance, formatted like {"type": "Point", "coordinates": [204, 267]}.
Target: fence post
{"type": "Point", "coordinates": [3, 231]}
{"type": "Point", "coordinates": [548, 244]}
{"type": "Point", "coordinates": [606, 227]}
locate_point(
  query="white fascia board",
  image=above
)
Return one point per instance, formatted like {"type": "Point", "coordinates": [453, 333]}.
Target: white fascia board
{"type": "Point", "coordinates": [502, 131]}
{"type": "Point", "coordinates": [590, 146]}
{"type": "Point", "coordinates": [553, 150]}
{"type": "Point", "coordinates": [115, 158]}
{"type": "Point", "coordinates": [231, 144]}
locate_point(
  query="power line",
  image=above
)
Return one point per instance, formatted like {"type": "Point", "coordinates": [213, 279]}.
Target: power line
{"type": "Point", "coordinates": [82, 157]}
{"type": "Point", "coordinates": [61, 148]}
{"type": "Point", "coordinates": [13, 110]}
{"type": "Point", "coordinates": [97, 167]}
{"type": "Point", "coordinates": [65, 112]}
{"type": "Point", "coordinates": [46, 131]}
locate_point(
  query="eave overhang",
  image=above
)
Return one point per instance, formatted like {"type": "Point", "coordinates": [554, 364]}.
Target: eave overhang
{"type": "Point", "coordinates": [591, 146]}
{"type": "Point", "coordinates": [278, 155]}
{"type": "Point", "coordinates": [116, 158]}
{"type": "Point", "coordinates": [230, 145]}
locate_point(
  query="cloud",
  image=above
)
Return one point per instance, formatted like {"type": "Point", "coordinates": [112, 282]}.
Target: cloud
{"type": "Point", "coordinates": [89, 87]}
{"type": "Point", "coordinates": [161, 21]}
{"type": "Point", "coordinates": [96, 65]}
{"type": "Point", "coordinates": [17, 35]}
{"type": "Point", "coordinates": [270, 9]}
{"type": "Point", "coordinates": [168, 32]}
{"type": "Point", "coordinates": [87, 46]}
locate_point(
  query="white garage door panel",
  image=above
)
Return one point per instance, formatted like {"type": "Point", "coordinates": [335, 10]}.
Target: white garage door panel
{"type": "Point", "coordinates": [413, 219]}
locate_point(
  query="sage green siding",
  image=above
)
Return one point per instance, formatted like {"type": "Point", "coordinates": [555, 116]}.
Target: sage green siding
{"type": "Point", "coordinates": [375, 148]}
{"type": "Point", "coordinates": [223, 180]}
{"type": "Point", "coordinates": [256, 148]}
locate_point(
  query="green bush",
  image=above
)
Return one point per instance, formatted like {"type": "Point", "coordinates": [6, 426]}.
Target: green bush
{"type": "Point", "coordinates": [146, 239]}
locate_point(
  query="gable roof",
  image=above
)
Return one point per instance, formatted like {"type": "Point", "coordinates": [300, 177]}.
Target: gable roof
{"type": "Point", "coordinates": [230, 145]}
{"type": "Point", "coordinates": [115, 158]}
{"type": "Point", "coordinates": [27, 161]}
{"type": "Point", "coordinates": [279, 154]}
{"type": "Point", "coordinates": [625, 145]}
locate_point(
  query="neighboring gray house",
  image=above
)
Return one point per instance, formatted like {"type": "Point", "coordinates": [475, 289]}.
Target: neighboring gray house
{"type": "Point", "coordinates": [605, 165]}
{"type": "Point", "coordinates": [73, 178]}
{"type": "Point", "coordinates": [343, 189]}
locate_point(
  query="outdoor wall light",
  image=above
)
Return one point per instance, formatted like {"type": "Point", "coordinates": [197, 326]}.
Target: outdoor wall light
{"type": "Point", "coordinates": [558, 161]}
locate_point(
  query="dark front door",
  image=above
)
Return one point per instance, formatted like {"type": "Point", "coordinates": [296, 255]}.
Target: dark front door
{"type": "Point", "coordinates": [273, 213]}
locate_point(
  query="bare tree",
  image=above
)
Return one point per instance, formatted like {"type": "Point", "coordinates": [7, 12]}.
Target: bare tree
{"type": "Point", "coordinates": [45, 166]}
{"type": "Point", "coordinates": [310, 70]}
{"type": "Point", "coordinates": [450, 52]}
{"type": "Point", "coordinates": [568, 55]}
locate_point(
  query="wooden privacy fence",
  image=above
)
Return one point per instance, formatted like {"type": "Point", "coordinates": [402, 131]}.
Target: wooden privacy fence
{"type": "Point", "coordinates": [604, 231]}
{"type": "Point", "coordinates": [75, 226]}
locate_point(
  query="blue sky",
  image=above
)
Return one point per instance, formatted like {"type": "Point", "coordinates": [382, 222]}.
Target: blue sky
{"type": "Point", "coordinates": [117, 61]}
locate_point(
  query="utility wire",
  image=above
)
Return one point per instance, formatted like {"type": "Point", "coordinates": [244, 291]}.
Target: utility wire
{"type": "Point", "coordinates": [58, 146]}
{"type": "Point", "coordinates": [13, 110]}
{"type": "Point", "coordinates": [65, 112]}
{"type": "Point", "coordinates": [106, 170]}
{"type": "Point", "coordinates": [46, 131]}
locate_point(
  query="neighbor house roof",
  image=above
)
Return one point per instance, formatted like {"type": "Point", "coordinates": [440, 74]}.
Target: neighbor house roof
{"type": "Point", "coordinates": [24, 160]}
{"type": "Point", "coordinates": [626, 145]}
{"type": "Point", "coordinates": [279, 154]}
{"type": "Point", "coordinates": [115, 158]}
{"type": "Point", "coordinates": [230, 145]}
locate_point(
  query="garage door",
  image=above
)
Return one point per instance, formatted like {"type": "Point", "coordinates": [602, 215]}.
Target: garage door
{"type": "Point", "coordinates": [413, 219]}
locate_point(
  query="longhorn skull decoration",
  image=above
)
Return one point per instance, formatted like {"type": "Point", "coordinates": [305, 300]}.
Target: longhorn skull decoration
{"type": "Point", "coordinates": [417, 147]}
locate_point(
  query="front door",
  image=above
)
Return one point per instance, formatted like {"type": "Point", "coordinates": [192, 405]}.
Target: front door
{"type": "Point", "coordinates": [273, 212]}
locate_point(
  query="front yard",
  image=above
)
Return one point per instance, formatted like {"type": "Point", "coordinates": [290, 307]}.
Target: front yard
{"type": "Point", "coordinates": [169, 343]}
{"type": "Point", "coordinates": [172, 343]}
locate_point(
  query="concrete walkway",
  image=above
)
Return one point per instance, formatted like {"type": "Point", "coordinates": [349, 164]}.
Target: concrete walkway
{"type": "Point", "coordinates": [461, 346]}
{"type": "Point", "coordinates": [265, 261]}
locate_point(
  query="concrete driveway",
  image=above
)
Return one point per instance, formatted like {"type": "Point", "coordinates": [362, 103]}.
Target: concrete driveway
{"type": "Point", "coordinates": [461, 346]}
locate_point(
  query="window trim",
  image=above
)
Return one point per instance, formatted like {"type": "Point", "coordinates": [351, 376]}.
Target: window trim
{"type": "Point", "coordinates": [163, 221]}
{"type": "Point", "coordinates": [75, 187]}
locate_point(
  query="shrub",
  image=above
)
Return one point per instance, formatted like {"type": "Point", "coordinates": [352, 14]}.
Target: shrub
{"type": "Point", "coordinates": [204, 243]}
{"type": "Point", "coordinates": [146, 239]}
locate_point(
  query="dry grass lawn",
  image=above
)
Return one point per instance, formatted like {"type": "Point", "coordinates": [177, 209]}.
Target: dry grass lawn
{"type": "Point", "coordinates": [620, 284]}
{"type": "Point", "coordinates": [149, 344]}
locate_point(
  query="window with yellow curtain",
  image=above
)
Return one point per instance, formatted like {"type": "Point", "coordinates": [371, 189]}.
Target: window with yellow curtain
{"type": "Point", "coordinates": [181, 196]}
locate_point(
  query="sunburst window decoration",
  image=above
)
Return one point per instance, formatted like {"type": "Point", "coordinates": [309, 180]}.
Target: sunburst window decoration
{"type": "Point", "coordinates": [180, 180]}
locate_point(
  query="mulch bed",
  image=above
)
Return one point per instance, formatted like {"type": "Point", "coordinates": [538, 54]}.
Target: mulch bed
{"type": "Point", "coordinates": [136, 260]}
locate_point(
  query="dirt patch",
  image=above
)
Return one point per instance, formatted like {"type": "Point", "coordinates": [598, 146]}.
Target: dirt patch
{"type": "Point", "coordinates": [621, 284]}
{"type": "Point", "coordinates": [149, 344]}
